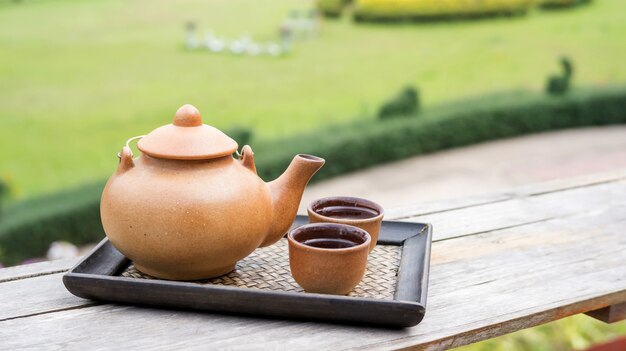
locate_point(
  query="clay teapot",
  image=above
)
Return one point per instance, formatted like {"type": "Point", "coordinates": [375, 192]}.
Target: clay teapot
{"type": "Point", "coordinates": [186, 209]}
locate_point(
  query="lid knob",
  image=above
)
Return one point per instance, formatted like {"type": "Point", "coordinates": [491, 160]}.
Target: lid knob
{"type": "Point", "coordinates": [187, 116]}
{"type": "Point", "coordinates": [187, 138]}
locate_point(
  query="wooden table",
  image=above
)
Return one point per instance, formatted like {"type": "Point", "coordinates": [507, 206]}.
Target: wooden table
{"type": "Point", "coordinates": [500, 263]}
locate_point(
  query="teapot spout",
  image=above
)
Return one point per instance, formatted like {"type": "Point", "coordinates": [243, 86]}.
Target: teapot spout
{"type": "Point", "coordinates": [287, 192]}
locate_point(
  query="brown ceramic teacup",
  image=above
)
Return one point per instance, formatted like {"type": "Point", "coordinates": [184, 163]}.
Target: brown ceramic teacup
{"type": "Point", "coordinates": [328, 258]}
{"type": "Point", "coordinates": [354, 211]}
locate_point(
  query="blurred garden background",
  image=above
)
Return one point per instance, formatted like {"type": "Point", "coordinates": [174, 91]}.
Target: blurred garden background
{"type": "Point", "coordinates": [359, 83]}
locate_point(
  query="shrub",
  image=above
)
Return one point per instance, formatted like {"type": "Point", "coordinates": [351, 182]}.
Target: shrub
{"type": "Point", "coordinates": [561, 4]}
{"type": "Point", "coordinates": [367, 143]}
{"type": "Point", "coordinates": [30, 226]}
{"type": "Point", "coordinates": [388, 10]}
{"type": "Point", "coordinates": [4, 194]}
{"type": "Point", "coordinates": [405, 103]}
{"type": "Point", "coordinates": [558, 85]}
{"type": "Point", "coordinates": [242, 135]}
{"type": "Point", "coordinates": [332, 8]}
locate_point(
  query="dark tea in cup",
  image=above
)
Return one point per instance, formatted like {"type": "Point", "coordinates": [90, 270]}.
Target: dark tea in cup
{"type": "Point", "coordinates": [329, 243]}
{"type": "Point", "coordinates": [329, 237]}
{"type": "Point", "coordinates": [347, 212]}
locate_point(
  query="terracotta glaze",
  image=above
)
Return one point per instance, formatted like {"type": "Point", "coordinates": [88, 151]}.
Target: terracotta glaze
{"type": "Point", "coordinates": [186, 209]}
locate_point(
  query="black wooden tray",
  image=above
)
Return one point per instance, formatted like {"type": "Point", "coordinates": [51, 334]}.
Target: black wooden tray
{"type": "Point", "coordinates": [99, 277]}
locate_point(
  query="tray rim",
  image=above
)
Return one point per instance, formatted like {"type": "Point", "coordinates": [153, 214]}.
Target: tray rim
{"type": "Point", "coordinates": [408, 304]}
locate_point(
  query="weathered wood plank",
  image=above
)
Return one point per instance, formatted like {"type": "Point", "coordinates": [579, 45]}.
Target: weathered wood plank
{"type": "Point", "coordinates": [523, 210]}
{"type": "Point", "coordinates": [48, 294]}
{"type": "Point", "coordinates": [444, 205]}
{"type": "Point", "coordinates": [481, 286]}
{"type": "Point", "coordinates": [423, 209]}
{"type": "Point", "coordinates": [36, 269]}
{"type": "Point", "coordinates": [544, 272]}
{"type": "Point", "coordinates": [572, 183]}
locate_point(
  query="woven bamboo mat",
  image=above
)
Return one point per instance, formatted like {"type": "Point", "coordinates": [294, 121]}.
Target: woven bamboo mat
{"type": "Point", "coordinates": [268, 268]}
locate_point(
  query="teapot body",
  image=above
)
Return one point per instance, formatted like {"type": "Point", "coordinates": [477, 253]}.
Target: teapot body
{"type": "Point", "coordinates": [186, 219]}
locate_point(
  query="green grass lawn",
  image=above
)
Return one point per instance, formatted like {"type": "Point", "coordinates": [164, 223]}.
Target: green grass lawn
{"type": "Point", "coordinates": [79, 78]}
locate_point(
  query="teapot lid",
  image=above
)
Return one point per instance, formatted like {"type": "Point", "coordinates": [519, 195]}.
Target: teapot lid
{"type": "Point", "coordinates": [187, 139]}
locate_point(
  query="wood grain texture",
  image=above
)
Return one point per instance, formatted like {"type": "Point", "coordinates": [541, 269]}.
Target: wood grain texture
{"type": "Point", "coordinates": [496, 267]}
{"type": "Point", "coordinates": [36, 269]}
{"type": "Point", "coordinates": [18, 302]}
{"type": "Point", "coordinates": [529, 190]}
{"type": "Point", "coordinates": [524, 210]}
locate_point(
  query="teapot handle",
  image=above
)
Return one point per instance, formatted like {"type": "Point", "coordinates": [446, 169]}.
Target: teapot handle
{"type": "Point", "coordinates": [246, 157]}
{"type": "Point", "coordinates": [119, 154]}
{"type": "Point", "coordinates": [126, 156]}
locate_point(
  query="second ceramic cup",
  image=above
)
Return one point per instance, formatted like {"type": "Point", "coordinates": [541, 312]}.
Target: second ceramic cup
{"type": "Point", "coordinates": [354, 211]}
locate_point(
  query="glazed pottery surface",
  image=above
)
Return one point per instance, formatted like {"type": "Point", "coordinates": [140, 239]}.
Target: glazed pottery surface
{"type": "Point", "coordinates": [328, 258]}
{"type": "Point", "coordinates": [354, 211]}
{"type": "Point", "coordinates": [186, 209]}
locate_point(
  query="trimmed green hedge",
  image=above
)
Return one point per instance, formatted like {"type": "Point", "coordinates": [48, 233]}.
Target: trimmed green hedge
{"type": "Point", "coordinates": [561, 4]}
{"type": "Point", "coordinates": [29, 227]}
{"type": "Point", "coordinates": [394, 10]}
{"type": "Point", "coordinates": [332, 8]}
{"type": "Point", "coordinates": [367, 143]}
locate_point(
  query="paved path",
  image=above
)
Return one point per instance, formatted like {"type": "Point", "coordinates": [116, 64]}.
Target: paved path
{"type": "Point", "coordinates": [482, 168]}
